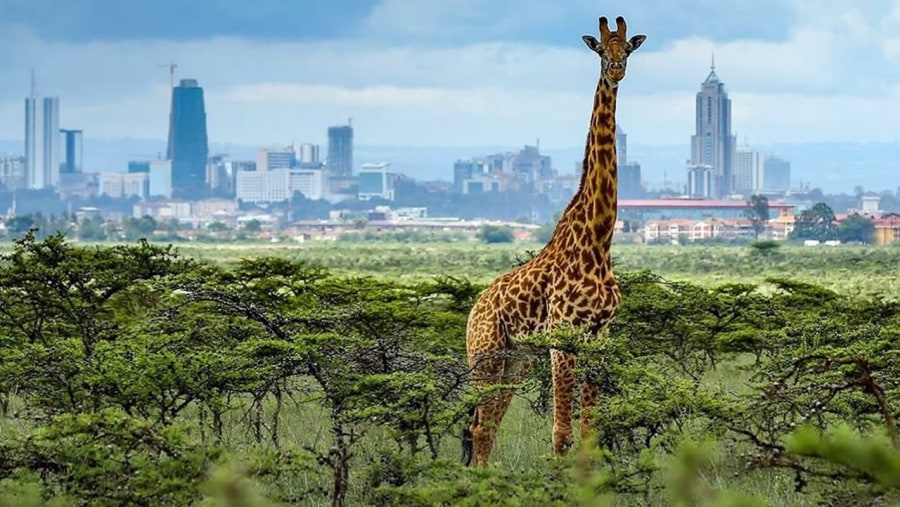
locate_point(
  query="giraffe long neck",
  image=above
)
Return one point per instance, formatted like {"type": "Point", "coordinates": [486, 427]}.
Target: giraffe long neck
{"type": "Point", "coordinates": [597, 197]}
{"type": "Point", "coordinates": [590, 218]}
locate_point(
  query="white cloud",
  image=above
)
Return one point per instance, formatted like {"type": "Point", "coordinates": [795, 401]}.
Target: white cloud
{"type": "Point", "coordinates": [831, 79]}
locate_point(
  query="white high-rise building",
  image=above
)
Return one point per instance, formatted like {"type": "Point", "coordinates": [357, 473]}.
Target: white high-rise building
{"type": "Point", "coordinates": [749, 171]}
{"type": "Point", "coordinates": [278, 185]}
{"type": "Point", "coordinates": [42, 142]}
{"type": "Point", "coordinates": [308, 154]}
{"type": "Point", "coordinates": [51, 142]}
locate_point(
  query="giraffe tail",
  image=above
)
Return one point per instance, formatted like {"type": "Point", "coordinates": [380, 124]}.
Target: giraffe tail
{"type": "Point", "coordinates": [467, 443]}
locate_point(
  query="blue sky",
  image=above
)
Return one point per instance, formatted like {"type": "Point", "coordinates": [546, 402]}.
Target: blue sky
{"type": "Point", "coordinates": [454, 72]}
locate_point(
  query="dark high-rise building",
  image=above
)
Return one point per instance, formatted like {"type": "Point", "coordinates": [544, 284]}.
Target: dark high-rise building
{"type": "Point", "coordinates": [71, 142]}
{"type": "Point", "coordinates": [340, 151]}
{"type": "Point", "coordinates": [464, 170]}
{"type": "Point", "coordinates": [189, 149]}
{"type": "Point", "coordinates": [138, 166]}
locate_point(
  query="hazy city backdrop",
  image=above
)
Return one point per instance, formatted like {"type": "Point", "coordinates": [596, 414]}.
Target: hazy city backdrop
{"type": "Point", "coordinates": [277, 71]}
{"type": "Point", "coordinates": [307, 111]}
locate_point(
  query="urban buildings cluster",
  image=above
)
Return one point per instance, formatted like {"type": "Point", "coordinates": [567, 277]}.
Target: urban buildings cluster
{"type": "Point", "coordinates": [718, 169]}
{"type": "Point", "coordinates": [53, 161]}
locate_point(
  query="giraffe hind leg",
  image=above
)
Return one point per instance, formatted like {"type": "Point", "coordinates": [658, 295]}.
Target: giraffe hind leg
{"type": "Point", "coordinates": [590, 392]}
{"type": "Point", "coordinates": [479, 437]}
{"type": "Point", "coordinates": [488, 416]}
{"type": "Point", "coordinates": [563, 369]}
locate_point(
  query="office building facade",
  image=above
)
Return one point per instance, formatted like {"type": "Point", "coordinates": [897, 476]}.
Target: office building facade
{"type": "Point", "coordinates": [42, 142]}
{"type": "Point", "coordinates": [189, 150]}
{"type": "Point", "coordinates": [713, 144]}
{"type": "Point", "coordinates": [748, 171]}
{"type": "Point", "coordinates": [72, 147]}
{"type": "Point", "coordinates": [340, 151]}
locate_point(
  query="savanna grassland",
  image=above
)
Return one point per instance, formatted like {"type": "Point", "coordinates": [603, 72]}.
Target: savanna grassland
{"type": "Point", "coordinates": [335, 374]}
{"type": "Point", "coordinates": [847, 269]}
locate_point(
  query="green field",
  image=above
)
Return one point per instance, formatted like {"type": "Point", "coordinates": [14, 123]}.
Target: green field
{"type": "Point", "coordinates": [674, 369]}
{"type": "Point", "coordinates": [847, 269]}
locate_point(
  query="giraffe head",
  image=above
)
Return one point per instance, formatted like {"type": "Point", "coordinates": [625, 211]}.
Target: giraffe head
{"type": "Point", "coordinates": [614, 49]}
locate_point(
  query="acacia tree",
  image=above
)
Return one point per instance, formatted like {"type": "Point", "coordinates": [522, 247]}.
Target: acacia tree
{"type": "Point", "coordinates": [856, 228]}
{"type": "Point", "coordinates": [758, 213]}
{"type": "Point", "coordinates": [817, 223]}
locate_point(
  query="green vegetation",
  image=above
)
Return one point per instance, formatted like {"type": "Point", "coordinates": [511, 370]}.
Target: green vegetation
{"type": "Point", "coordinates": [758, 213]}
{"type": "Point", "coordinates": [496, 234]}
{"type": "Point", "coordinates": [148, 375]}
{"type": "Point", "coordinates": [846, 269]}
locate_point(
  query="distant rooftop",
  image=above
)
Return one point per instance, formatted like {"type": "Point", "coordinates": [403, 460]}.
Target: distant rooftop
{"type": "Point", "coordinates": [691, 203]}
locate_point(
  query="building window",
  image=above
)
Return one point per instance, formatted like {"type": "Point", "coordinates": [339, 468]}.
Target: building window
{"type": "Point", "coordinates": [709, 109]}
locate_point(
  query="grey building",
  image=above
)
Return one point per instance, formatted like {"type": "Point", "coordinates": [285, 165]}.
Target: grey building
{"type": "Point", "coordinates": [621, 146]}
{"type": "Point", "coordinates": [713, 143]}
{"type": "Point", "coordinates": [776, 174]}
{"type": "Point", "coordinates": [630, 185]}
{"type": "Point", "coordinates": [340, 151]}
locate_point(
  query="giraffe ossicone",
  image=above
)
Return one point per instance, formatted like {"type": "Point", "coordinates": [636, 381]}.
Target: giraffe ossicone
{"type": "Point", "coordinates": [569, 282]}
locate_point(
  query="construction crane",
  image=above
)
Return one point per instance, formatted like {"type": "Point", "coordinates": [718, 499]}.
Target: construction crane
{"type": "Point", "coordinates": [171, 65]}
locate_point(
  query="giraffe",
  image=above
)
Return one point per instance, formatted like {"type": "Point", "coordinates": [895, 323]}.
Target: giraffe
{"type": "Point", "coordinates": [570, 281]}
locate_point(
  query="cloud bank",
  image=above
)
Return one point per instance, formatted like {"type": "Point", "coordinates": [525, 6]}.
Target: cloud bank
{"type": "Point", "coordinates": [454, 72]}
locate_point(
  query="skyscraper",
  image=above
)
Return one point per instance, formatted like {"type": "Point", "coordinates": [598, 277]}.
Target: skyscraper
{"type": "Point", "coordinates": [71, 142]}
{"type": "Point", "coordinates": [712, 143]}
{"type": "Point", "coordinates": [340, 151]}
{"type": "Point", "coordinates": [42, 141]}
{"type": "Point", "coordinates": [51, 141]}
{"type": "Point", "coordinates": [189, 146]}
{"type": "Point", "coordinates": [34, 155]}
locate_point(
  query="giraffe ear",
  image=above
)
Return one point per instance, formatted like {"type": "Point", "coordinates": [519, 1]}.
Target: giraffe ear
{"type": "Point", "coordinates": [636, 41]}
{"type": "Point", "coordinates": [592, 43]}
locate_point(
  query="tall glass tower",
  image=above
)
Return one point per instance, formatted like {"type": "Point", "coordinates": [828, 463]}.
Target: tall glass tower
{"type": "Point", "coordinates": [189, 146]}
{"type": "Point", "coordinates": [340, 151]}
{"type": "Point", "coordinates": [713, 145]}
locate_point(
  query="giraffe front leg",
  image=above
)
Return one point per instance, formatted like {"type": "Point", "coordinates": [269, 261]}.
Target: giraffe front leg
{"type": "Point", "coordinates": [563, 369]}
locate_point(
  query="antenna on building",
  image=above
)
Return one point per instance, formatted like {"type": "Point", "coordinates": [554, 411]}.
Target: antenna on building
{"type": "Point", "coordinates": [349, 122]}
{"type": "Point", "coordinates": [712, 64]}
{"type": "Point", "coordinates": [33, 84]}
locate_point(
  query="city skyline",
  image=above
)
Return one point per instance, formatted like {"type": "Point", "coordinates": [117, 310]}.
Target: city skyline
{"type": "Point", "coordinates": [447, 80]}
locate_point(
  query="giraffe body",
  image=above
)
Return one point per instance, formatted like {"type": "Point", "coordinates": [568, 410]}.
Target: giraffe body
{"type": "Point", "coordinates": [569, 282]}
